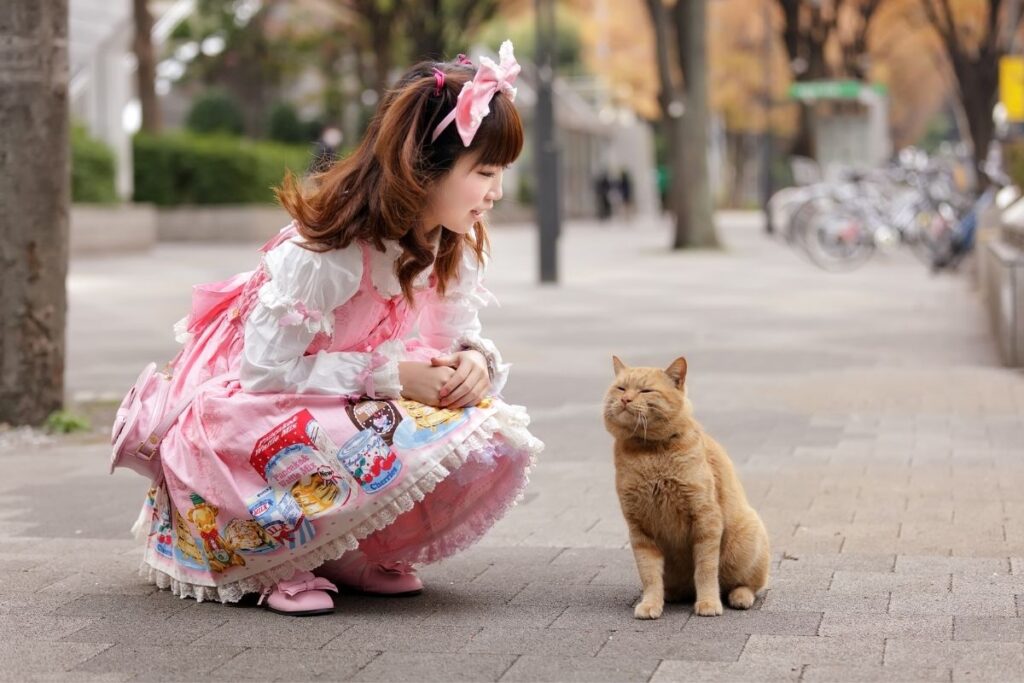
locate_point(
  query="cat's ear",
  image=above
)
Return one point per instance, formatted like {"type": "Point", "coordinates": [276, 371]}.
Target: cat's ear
{"type": "Point", "coordinates": [618, 365]}
{"type": "Point", "coordinates": [677, 371]}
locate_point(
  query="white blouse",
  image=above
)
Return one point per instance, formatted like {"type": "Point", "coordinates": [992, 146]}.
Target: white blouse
{"type": "Point", "coordinates": [298, 301]}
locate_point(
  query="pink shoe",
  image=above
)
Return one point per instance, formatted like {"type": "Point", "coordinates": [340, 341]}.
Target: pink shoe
{"type": "Point", "coordinates": [395, 579]}
{"type": "Point", "coordinates": [303, 595]}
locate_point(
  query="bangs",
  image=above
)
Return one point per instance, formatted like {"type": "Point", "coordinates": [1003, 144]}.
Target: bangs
{"type": "Point", "coordinates": [499, 140]}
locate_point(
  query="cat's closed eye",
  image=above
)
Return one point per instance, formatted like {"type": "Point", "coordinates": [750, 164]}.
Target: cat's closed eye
{"type": "Point", "coordinates": [621, 388]}
{"type": "Point", "coordinates": [647, 391]}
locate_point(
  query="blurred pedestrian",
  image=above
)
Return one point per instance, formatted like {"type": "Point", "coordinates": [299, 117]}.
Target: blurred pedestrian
{"type": "Point", "coordinates": [603, 194]}
{"type": "Point", "coordinates": [626, 193]}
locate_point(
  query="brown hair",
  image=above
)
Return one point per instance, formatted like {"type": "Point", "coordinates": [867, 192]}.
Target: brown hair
{"type": "Point", "coordinates": [380, 190]}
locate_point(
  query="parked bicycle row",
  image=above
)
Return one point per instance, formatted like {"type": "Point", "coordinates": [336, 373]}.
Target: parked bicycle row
{"type": "Point", "coordinates": [919, 202]}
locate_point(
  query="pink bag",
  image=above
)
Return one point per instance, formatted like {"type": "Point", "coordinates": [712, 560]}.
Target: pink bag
{"type": "Point", "coordinates": [142, 422]}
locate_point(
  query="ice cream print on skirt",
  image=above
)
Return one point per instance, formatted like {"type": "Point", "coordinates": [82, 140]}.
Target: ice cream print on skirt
{"type": "Point", "coordinates": [297, 459]}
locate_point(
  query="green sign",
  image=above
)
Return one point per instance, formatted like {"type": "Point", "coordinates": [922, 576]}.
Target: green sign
{"type": "Point", "coordinates": [831, 90]}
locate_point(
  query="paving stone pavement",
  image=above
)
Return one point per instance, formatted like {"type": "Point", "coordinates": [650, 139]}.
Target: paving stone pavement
{"type": "Point", "coordinates": [866, 412]}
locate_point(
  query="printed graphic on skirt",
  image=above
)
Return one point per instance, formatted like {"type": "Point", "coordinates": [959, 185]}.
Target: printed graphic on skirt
{"type": "Point", "coordinates": [161, 533]}
{"type": "Point", "coordinates": [247, 536]}
{"type": "Point", "coordinates": [187, 551]}
{"type": "Point", "coordinates": [369, 459]}
{"type": "Point", "coordinates": [220, 554]}
{"type": "Point", "coordinates": [297, 457]}
{"type": "Point", "coordinates": [380, 416]}
{"type": "Point", "coordinates": [428, 424]}
{"type": "Point", "coordinates": [281, 516]}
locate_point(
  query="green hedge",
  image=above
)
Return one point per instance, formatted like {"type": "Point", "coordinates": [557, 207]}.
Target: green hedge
{"type": "Point", "coordinates": [215, 111]}
{"type": "Point", "coordinates": [185, 168]}
{"type": "Point", "coordinates": [92, 169]}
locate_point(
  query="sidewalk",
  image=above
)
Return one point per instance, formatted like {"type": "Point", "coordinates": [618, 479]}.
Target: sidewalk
{"type": "Point", "coordinates": [866, 412]}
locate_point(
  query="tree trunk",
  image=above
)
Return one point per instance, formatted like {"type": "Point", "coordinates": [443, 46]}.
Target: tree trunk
{"type": "Point", "coordinates": [978, 83]}
{"type": "Point", "coordinates": [671, 100]}
{"type": "Point", "coordinates": [691, 27]}
{"type": "Point", "coordinates": [427, 30]}
{"type": "Point", "coordinates": [145, 73]}
{"type": "Point", "coordinates": [381, 38]}
{"type": "Point", "coordinates": [35, 189]}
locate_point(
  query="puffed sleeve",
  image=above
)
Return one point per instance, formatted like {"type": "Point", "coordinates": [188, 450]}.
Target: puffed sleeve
{"type": "Point", "coordinates": [452, 322]}
{"type": "Point", "coordinates": [296, 303]}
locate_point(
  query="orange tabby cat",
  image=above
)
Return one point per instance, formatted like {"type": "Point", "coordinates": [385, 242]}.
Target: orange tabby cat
{"type": "Point", "coordinates": [694, 535]}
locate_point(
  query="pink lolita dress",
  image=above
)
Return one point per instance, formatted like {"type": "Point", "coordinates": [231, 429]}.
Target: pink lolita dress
{"type": "Point", "coordinates": [298, 446]}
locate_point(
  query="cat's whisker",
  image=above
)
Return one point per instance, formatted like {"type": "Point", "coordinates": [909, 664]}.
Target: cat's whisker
{"type": "Point", "coordinates": [636, 425]}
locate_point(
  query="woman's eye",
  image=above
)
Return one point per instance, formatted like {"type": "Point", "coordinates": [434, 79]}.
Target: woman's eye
{"type": "Point", "coordinates": [487, 174]}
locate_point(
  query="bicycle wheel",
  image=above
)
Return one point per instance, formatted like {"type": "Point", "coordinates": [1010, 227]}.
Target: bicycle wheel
{"type": "Point", "coordinates": [840, 241]}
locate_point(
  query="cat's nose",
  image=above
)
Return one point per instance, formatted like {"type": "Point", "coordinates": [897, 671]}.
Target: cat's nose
{"type": "Point", "coordinates": [626, 400]}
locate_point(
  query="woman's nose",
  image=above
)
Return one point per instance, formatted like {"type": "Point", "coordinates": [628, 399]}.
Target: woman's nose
{"type": "Point", "coordinates": [496, 192]}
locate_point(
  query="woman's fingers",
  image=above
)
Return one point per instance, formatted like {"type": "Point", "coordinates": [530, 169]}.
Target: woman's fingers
{"type": "Point", "coordinates": [458, 393]}
{"type": "Point", "coordinates": [446, 361]}
{"type": "Point", "coordinates": [457, 379]}
{"type": "Point", "coordinates": [477, 394]}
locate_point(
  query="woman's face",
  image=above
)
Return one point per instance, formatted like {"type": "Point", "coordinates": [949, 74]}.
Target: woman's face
{"type": "Point", "coordinates": [462, 196]}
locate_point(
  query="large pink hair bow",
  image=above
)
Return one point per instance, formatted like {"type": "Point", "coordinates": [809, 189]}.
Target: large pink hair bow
{"type": "Point", "coordinates": [474, 101]}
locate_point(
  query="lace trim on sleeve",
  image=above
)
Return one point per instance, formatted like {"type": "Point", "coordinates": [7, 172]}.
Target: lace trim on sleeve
{"type": "Point", "coordinates": [495, 367]}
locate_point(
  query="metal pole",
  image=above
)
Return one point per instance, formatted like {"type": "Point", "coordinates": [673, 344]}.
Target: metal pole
{"type": "Point", "coordinates": [766, 104]}
{"type": "Point", "coordinates": [547, 197]}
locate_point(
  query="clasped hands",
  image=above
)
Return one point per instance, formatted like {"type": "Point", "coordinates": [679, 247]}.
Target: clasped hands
{"type": "Point", "coordinates": [457, 380]}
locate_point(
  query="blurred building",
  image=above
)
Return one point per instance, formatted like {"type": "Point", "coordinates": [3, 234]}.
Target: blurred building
{"type": "Point", "coordinates": [102, 71]}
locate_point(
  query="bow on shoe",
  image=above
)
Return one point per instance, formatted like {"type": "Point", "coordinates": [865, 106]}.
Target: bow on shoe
{"type": "Point", "coordinates": [306, 582]}
{"type": "Point", "coordinates": [474, 102]}
{"type": "Point", "coordinates": [300, 583]}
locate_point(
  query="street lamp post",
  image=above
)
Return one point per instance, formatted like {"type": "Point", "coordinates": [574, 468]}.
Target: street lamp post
{"type": "Point", "coordinates": [766, 103]}
{"type": "Point", "coordinates": [546, 153]}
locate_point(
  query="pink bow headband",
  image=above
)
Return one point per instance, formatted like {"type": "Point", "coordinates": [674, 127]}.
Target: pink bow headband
{"type": "Point", "coordinates": [474, 101]}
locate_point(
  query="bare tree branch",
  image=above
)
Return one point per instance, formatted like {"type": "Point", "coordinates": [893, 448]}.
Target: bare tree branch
{"type": "Point", "coordinates": [945, 31]}
{"type": "Point", "coordinates": [660, 23]}
{"type": "Point", "coordinates": [992, 39]}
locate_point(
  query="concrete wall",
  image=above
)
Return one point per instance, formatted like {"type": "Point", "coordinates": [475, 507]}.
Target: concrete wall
{"type": "Point", "coordinates": [110, 229]}
{"type": "Point", "coordinates": [101, 229]}
{"type": "Point", "coordinates": [1001, 276]}
{"type": "Point", "coordinates": [220, 223]}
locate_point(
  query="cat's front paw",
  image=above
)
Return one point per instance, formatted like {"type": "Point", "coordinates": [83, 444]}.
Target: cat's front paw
{"type": "Point", "coordinates": [741, 598]}
{"type": "Point", "coordinates": [648, 610]}
{"type": "Point", "coordinates": [708, 608]}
